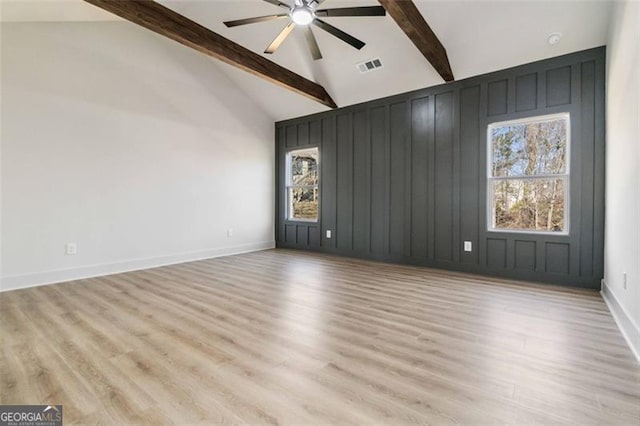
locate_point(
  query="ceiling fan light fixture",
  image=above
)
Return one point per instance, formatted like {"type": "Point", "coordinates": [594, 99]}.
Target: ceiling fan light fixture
{"type": "Point", "coordinates": [302, 15]}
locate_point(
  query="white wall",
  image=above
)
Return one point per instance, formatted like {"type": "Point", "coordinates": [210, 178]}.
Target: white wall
{"type": "Point", "coordinates": [622, 229]}
{"type": "Point", "coordinates": [132, 146]}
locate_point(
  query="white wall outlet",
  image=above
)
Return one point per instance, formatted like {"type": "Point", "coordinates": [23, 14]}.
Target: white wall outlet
{"type": "Point", "coordinates": [230, 232]}
{"type": "Point", "coordinates": [71, 248]}
{"type": "Point", "coordinates": [624, 280]}
{"type": "Point", "coordinates": [328, 233]}
{"type": "Point", "coordinates": [468, 246]}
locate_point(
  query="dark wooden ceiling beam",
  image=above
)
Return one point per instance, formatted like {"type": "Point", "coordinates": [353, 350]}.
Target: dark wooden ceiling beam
{"type": "Point", "coordinates": [411, 21]}
{"type": "Point", "coordinates": [164, 21]}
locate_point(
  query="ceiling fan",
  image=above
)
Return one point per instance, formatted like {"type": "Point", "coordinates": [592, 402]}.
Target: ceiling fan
{"type": "Point", "coordinates": [304, 13]}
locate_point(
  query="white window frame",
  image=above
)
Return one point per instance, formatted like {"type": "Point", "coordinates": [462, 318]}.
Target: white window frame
{"type": "Point", "coordinates": [566, 176]}
{"type": "Point", "coordinates": [289, 186]}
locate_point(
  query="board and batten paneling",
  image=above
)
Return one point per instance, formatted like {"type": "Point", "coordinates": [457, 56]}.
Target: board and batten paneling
{"type": "Point", "coordinates": [403, 179]}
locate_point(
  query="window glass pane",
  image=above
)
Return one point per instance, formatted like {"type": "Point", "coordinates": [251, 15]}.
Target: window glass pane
{"type": "Point", "coordinates": [304, 203]}
{"type": "Point", "coordinates": [529, 204]}
{"type": "Point", "coordinates": [304, 167]}
{"type": "Point", "coordinates": [528, 149]}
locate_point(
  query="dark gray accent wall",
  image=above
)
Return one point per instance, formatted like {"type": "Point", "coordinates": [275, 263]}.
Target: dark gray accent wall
{"type": "Point", "coordinates": [403, 179]}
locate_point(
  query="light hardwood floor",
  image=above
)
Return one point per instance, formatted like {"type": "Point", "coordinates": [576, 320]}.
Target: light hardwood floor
{"type": "Point", "coordinates": [298, 338]}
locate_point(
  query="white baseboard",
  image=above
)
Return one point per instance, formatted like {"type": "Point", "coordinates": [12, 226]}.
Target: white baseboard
{"type": "Point", "coordinates": [627, 327]}
{"type": "Point", "coordinates": [51, 277]}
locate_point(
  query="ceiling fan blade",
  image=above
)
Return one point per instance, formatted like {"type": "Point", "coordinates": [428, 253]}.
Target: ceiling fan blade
{"type": "Point", "coordinates": [339, 33]}
{"type": "Point", "coordinates": [275, 44]}
{"type": "Point", "coordinates": [254, 20]}
{"type": "Point", "coordinates": [278, 3]}
{"type": "Point", "coordinates": [313, 44]}
{"type": "Point", "coordinates": [353, 11]}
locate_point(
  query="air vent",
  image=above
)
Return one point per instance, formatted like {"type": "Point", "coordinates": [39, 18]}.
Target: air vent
{"type": "Point", "coordinates": [369, 66]}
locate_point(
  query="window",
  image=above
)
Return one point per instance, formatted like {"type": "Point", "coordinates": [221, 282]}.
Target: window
{"type": "Point", "coordinates": [302, 185]}
{"type": "Point", "coordinates": [528, 176]}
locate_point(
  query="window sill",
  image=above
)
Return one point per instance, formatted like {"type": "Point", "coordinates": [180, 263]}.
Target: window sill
{"type": "Point", "coordinates": [301, 221]}
{"type": "Point", "coordinates": [530, 233]}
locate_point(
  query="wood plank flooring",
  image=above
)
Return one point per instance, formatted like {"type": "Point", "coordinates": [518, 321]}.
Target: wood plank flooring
{"type": "Point", "coordinates": [287, 337]}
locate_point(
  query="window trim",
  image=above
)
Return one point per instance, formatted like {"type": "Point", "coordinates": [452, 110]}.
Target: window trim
{"type": "Point", "coordinates": [566, 176]}
{"type": "Point", "coordinates": [288, 183]}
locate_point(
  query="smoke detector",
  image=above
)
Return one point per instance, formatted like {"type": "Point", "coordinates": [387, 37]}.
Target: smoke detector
{"type": "Point", "coordinates": [368, 66]}
{"type": "Point", "coordinates": [554, 38]}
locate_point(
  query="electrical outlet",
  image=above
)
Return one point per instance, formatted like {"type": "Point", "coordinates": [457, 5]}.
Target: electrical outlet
{"type": "Point", "coordinates": [328, 233]}
{"type": "Point", "coordinates": [468, 246]}
{"type": "Point", "coordinates": [71, 248]}
{"type": "Point", "coordinates": [624, 280]}
{"type": "Point", "coordinates": [230, 232]}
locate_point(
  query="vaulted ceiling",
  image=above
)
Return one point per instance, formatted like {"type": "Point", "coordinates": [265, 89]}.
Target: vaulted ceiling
{"type": "Point", "coordinates": [479, 36]}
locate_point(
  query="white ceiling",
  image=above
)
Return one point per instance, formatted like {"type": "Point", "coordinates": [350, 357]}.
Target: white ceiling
{"type": "Point", "coordinates": [480, 36]}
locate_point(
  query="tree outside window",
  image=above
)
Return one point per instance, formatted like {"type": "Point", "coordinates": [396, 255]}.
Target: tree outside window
{"type": "Point", "coordinates": [528, 180]}
{"type": "Point", "coordinates": [302, 185]}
